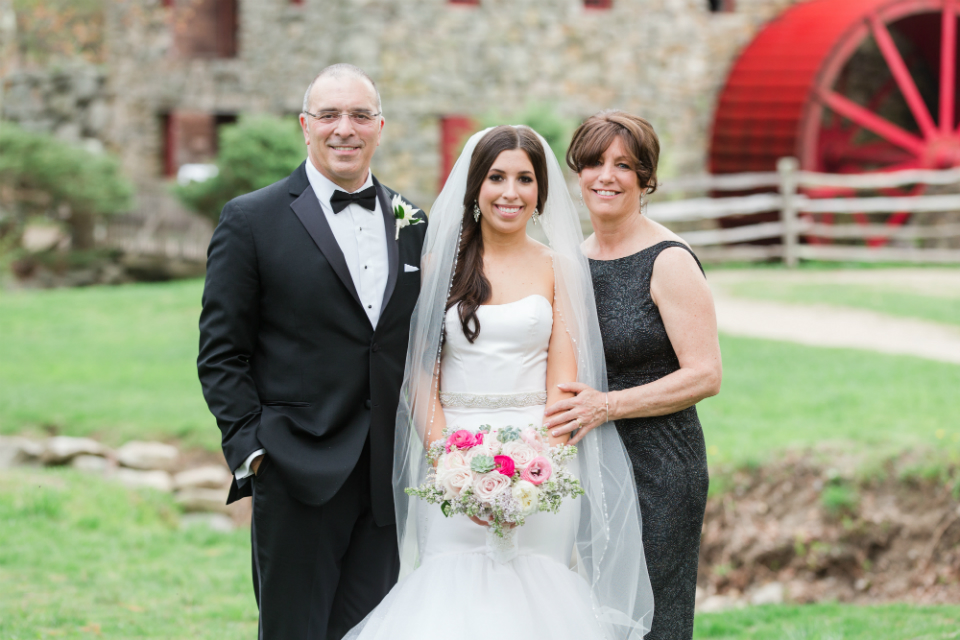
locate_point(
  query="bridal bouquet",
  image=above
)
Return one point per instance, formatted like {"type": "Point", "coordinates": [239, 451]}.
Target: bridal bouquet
{"type": "Point", "coordinates": [501, 475]}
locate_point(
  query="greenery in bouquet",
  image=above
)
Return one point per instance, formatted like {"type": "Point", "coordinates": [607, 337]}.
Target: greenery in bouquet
{"type": "Point", "coordinates": [501, 475]}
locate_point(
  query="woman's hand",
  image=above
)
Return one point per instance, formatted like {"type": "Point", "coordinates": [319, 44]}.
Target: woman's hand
{"type": "Point", "coordinates": [485, 523]}
{"type": "Point", "coordinates": [585, 411]}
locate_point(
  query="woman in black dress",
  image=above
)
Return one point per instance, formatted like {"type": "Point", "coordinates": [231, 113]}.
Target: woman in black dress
{"type": "Point", "coordinates": [660, 339]}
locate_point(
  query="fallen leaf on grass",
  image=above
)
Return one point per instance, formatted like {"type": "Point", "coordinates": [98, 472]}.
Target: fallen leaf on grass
{"type": "Point", "coordinates": [93, 627]}
{"type": "Point", "coordinates": [132, 607]}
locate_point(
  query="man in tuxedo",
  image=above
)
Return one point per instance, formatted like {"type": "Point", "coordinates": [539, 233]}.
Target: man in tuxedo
{"type": "Point", "coordinates": [303, 339]}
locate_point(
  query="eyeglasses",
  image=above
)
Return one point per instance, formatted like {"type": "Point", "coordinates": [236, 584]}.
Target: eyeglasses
{"type": "Point", "coordinates": [359, 118]}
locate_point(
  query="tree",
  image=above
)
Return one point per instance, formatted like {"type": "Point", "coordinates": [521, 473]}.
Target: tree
{"type": "Point", "coordinates": [254, 153]}
{"type": "Point", "coordinates": [41, 174]}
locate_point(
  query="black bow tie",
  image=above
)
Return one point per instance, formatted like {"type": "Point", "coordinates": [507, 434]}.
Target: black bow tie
{"type": "Point", "coordinates": [366, 199]}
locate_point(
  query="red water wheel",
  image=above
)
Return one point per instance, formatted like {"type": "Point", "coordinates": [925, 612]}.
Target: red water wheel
{"type": "Point", "coordinates": [847, 87]}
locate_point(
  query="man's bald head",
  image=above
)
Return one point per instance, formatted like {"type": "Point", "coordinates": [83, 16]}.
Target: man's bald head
{"type": "Point", "coordinates": [341, 70]}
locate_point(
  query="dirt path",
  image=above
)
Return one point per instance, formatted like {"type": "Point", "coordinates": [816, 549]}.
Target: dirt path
{"type": "Point", "coordinates": [829, 326]}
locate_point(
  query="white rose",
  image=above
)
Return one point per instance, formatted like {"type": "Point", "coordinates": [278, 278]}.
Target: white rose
{"type": "Point", "coordinates": [454, 460]}
{"type": "Point", "coordinates": [527, 495]}
{"type": "Point", "coordinates": [460, 479]}
{"type": "Point", "coordinates": [452, 481]}
{"type": "Point", "coordinates": [521, 453]}
{"type": "Point", "coordinates": [479, 450]}
{"type": "Point", "coordinates": [489, 485]}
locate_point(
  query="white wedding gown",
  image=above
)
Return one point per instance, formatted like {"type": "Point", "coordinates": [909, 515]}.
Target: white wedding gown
{"type": "Point", "coordinates": [460, 591]}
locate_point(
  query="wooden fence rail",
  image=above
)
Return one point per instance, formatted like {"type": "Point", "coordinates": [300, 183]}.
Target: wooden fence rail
{"type": "Point", "coordinates": [794, 206]}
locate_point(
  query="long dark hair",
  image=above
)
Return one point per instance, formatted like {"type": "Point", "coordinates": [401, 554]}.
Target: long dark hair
{"type": "Point", "coordinates": [470, 287]}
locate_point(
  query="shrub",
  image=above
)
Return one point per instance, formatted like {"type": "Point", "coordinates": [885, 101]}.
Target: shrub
{"type": "Point", "coordinates": [542, 118]}
{"type": "Point", "coordinates": [46, 175]}
{"type": "Point", "coordinates": [255, 152]}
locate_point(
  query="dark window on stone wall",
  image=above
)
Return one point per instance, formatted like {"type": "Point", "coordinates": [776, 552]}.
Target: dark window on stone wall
{"type": "Point", "coordinates": [205, 28]}
{"type": "Point", "coordinates": [190, 137]}
{"type": "Point", "coordinates": [721, 6]}
{"type": "Point", "coordinates": [598, 4]}
{"type": "Point", "coordinates": [454, 131]}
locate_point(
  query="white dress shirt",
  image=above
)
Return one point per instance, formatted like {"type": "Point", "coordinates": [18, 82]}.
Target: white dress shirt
{"type": "Point", "coordinates": [363, 240]}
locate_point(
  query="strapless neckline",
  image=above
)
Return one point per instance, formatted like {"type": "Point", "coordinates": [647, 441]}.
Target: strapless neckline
{"type": "Point", "coordinates": [506, 304]}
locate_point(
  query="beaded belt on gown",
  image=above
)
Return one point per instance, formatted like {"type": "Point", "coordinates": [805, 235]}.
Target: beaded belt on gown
{"type": "Point", "coordinates": [493, 400]}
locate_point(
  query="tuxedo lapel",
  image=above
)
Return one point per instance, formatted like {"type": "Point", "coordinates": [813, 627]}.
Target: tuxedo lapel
{"type": "Point", "coordinates": [393, 253]}
{"type": "Point", "coordinates": [307, 208]}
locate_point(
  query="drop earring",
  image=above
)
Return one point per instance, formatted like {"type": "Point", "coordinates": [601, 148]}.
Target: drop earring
{"type": "Point", "coordinates": [536, 216]}
{"type": "Point", "coordinates": [580, 193]}
{"type": "Point", "coordinates": [476, 211]}
{"type": "Point", "coordinates": [641, 204]}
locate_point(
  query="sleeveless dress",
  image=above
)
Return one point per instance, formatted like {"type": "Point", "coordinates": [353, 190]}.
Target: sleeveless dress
{"type": "Point", "coordinates": [460, 591]}
{"type": "Point", "coordinates": [668, 454]}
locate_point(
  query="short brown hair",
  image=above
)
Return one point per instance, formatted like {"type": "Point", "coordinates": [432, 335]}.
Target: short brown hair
{"type": "Point", "coordinates": [640, 141]}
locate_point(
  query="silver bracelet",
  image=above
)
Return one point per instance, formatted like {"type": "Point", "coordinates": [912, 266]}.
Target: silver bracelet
{"type": "Point", "coordinates": [606, 400]}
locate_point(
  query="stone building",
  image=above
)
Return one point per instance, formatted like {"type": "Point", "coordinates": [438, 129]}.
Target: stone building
{"type": "Point", "coordinates": [178, 69]}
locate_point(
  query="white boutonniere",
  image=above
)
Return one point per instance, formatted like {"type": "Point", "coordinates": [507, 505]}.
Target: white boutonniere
{"type": "Point", "coordinates": [404, 213]}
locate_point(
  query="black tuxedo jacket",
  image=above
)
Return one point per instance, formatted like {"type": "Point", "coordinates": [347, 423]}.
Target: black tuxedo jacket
{"type": "Point", "coordinates": [289, 361]}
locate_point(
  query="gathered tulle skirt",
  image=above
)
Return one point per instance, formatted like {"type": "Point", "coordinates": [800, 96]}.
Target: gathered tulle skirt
{"type": "Point", "coordinates": [469, 596]}
{"type": "Point", "coordinates": [463, 591]}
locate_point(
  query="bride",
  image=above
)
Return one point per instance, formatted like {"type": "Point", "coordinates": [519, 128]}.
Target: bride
{"type": "Point", "coordinates": [500, 320]}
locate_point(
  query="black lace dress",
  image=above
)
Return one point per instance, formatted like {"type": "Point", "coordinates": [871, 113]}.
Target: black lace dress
{"type": "Point", "coordinates": [667, 452]}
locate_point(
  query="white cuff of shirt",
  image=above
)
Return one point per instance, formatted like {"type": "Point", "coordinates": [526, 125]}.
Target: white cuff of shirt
{"type": "Point", "coordinates": [244, 470]}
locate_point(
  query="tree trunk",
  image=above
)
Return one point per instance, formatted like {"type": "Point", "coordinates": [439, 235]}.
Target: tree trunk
{"type": "Point", "coordinates": [81, 231]}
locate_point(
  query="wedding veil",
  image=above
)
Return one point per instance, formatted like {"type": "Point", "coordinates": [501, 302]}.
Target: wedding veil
{"type": "Point", "coordinates": [608, 542]}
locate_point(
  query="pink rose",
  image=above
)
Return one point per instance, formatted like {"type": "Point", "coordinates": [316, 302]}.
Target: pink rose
{"type": "Point", "coordinates": [531, 437]}
{"type": "Point", "coordinates": [538, 471]}
{"type": "Point", "coordinates": [521, 453]}
{"type": "Point", "coordinates": [505, 465]}
{"type": "Point", "coordinates": [478, 439]}
{"type": "Point", "coordinates": [461, 439]}
{"type": "Point", "coordinates": [489, 485]}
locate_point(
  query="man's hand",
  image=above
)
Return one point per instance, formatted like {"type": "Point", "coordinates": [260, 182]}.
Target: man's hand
{"type": "Point", "coordinates": [255, 464]}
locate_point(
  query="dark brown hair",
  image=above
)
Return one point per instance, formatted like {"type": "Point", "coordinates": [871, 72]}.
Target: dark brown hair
{"type": "Point", "coordinates": [640, 141]}
{"type": "Point", "coordinates": [470, 286]}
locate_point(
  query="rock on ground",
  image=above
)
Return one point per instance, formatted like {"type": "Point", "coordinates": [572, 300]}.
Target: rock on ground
{"type": "Point", "coordinates": [213, 500]}
{"type": "Point", "coordinates": [62, 449]}
{"type": "Point", "coordinates": [90, 464]}
{"type": "Point", "coordinates": [135, 479]}
{"type": "Point", "coordinates": [148, 455]}
{"type": "Point", "coordinates": [18, 452]}
{"type": "Point", "coordinates": [770, 593]}
{"type": "Point", "coordinates": [209, 477]}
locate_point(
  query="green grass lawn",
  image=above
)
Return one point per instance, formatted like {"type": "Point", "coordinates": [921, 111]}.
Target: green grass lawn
{"type": "Point", "coordinates": [116, 362]}
{"type": "Point", "coordinates": [119, 363]}
{"type": "Point", "coordinates": [831, 622]}
{"type": "Point", "coordinates": [81, 558]}
{"type": "Point", "coordinates": [872, 298]}
{"type": "Point", "coordinates": [777, 395]}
